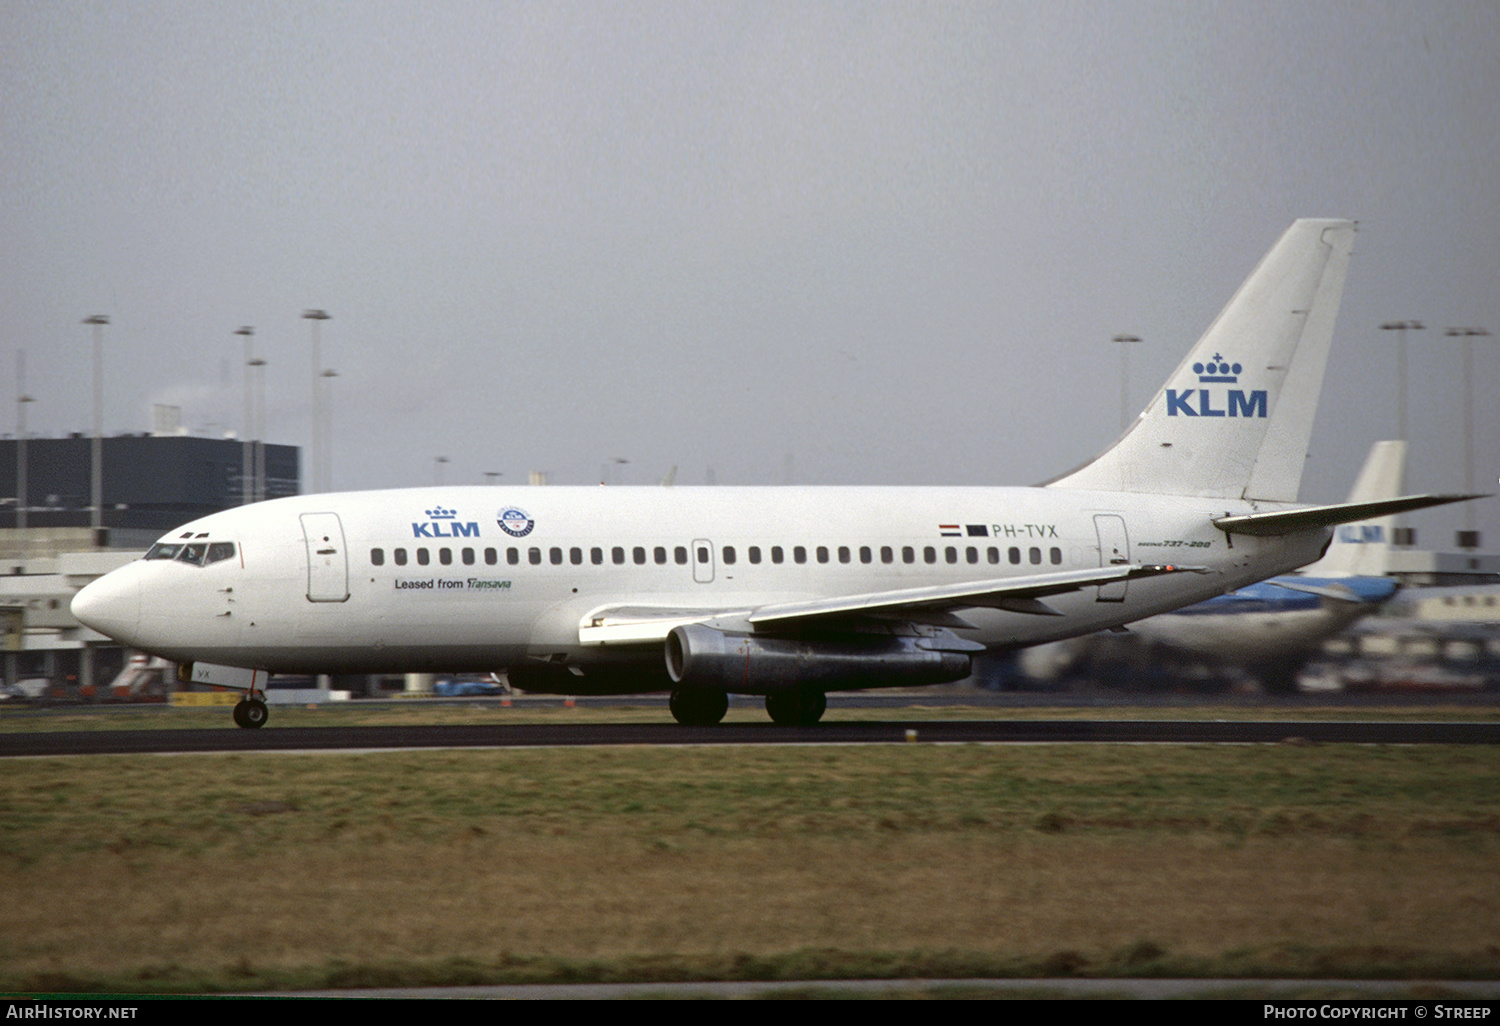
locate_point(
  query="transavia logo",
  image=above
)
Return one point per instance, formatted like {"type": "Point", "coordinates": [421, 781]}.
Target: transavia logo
{"type": "Point", "coordinates": [516, 522]}
{"type": "Point", "coordinates": [444, 523]}
{"type": "Point", "coordinates": [1232, 402]}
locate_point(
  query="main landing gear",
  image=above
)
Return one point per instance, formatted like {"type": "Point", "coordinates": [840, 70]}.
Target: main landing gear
{"type": "Point", "coordinates": [800, 707]}
{"type": "Point", "coordinates": [698, 708]}
{"type": "Point", "coordinates": [251, 713]}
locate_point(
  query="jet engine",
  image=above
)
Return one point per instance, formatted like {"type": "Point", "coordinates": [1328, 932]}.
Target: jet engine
{"type": "Point", "coordinates": [699, 656]}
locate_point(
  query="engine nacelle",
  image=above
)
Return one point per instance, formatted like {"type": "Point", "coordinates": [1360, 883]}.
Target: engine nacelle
{"type": "Point", "coordinates": [747, 664]}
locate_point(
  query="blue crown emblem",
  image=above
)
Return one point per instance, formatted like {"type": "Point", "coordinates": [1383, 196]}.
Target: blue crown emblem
{"type": "Point", "coordinates": [439, 513]}
{"type": "Point", "coordinates": [1217, 369]}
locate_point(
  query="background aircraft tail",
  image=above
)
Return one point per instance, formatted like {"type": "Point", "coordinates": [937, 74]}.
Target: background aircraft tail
{"type": "Point", "coordinates": [1234, 419]}
{"type": "Point", "coordinates": [1364, 549]}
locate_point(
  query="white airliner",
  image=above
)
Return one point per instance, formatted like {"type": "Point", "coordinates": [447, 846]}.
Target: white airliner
{"type": "Point", "coordinates": [783, 592]}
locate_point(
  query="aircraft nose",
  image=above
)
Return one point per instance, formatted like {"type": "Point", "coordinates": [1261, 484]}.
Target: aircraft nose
{"type": "Point", "coordinates": [111, 605]}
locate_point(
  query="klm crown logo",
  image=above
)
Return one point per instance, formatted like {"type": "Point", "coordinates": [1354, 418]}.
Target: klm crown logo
{"type": "Point", "coordinates": [1232, 402]}
{"type": "Point", "coordinates": [444, 523]}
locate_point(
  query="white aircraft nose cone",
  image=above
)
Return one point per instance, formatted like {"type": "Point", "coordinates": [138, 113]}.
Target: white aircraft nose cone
{"type": "Point", "coordinates": [111, 605]}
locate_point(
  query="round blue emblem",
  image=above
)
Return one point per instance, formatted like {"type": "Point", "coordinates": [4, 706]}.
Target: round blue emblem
{"type": "Point", "coordinates": [516, 522]}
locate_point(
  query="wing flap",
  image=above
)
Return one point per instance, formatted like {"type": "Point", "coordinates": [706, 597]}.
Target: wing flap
{"type": "Point", "coordinates": [932, 605]}
{"type": "Point", "coordinates": [1017, 594]}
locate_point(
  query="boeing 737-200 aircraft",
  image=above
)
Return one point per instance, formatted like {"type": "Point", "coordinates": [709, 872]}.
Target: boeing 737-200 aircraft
{"type": "Point", "coordinates": [784, 592]}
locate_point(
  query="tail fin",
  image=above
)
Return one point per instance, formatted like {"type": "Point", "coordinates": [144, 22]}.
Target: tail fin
{"type": "Point", "coordinates": [1233, 420]}
{"type": "Point", "coordinates": [1363, 549]}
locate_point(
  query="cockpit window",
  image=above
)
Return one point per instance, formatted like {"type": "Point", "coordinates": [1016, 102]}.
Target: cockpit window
{"type": "Point", "coordinates": [194, 553]}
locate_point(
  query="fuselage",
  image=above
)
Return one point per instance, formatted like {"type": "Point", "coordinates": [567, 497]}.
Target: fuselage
{"type": "Point", "coordinates": [478, 579]}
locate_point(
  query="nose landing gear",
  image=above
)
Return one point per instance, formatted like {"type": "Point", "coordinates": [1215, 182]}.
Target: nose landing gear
{"type": "Point", "coordinates": [251, 713]}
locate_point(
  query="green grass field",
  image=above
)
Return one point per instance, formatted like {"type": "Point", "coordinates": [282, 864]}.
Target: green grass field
{"type": "Point", "coordinates": [272, 871]}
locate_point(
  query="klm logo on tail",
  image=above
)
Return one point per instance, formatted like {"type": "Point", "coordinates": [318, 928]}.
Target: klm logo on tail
{"type": "Point", "coordinates": [1233, 402]}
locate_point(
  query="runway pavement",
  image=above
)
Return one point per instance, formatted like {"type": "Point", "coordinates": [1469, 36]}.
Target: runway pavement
{"type": "Point", "coordinates": [308, 739]}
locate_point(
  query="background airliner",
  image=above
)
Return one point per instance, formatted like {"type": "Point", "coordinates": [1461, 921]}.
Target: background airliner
{"type": "Point", "coordinates": [783, 592]}
{"type": "Point", "coordinates": [1268, 629]}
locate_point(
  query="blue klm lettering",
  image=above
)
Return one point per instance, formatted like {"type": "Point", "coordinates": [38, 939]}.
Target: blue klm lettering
{"type": "Point", "coordinates": [1240, 404]}
{"type": "Point", "coordinates": [455, 530]}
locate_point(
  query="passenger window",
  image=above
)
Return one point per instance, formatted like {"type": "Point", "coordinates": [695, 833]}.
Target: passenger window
{"type": "Point", "coordinates": [1015, 555]}
{"type": "Point", "coordinates": [908, 554]}
{"type": "Point", "coordinates": [596, 556]}
{"type": "Point", "coordinates": [512, 556]}
{"type": "Point", "coordinates": [843, 553]}
{"type": "Point", "coordinates": [400, 555]}
{"type": "Point", "coordinates": [422, 557]}
{"type": "Point", "coordinates": [728, 556]}
{"type": "Point", "coordinates": [377, 557]}
{"type": "Point", "coordinates": [534, 556]}
{"type": "Point", "coordinates": [1036, 556]}
{"type": "Point", "coordinates": [468, 555]}
{"type": "Point", "coordinates": [886, 554]}
{"type": "Point", "coordinates": [1056, 555]}
{"type": "Point", "coordinates": [445, 556]}
{"type": "Point", "coordinates": [755, 553]}
{"type": "Point", "coordinates": [929, 554]}
{"type": "Point", "coordinates": [680, 554]}
{"type": "Point", "coordinates": [617, 554]}
{"type": "Point", "coordinates": [660, 555]}
{"type": "Point", "coordinates": [993, 553]}
{"type": "Point", "coordinates": [638, 554]}
{"type": "Point", "coordinates": [971, 554]}
{"type": "Point", "coordinates": [822, 553]}
{"type": "Point", "coordinates": [555, 555]}
{"type": "Point", "coordinates": [799, 554]}
{"type": "Point", "coordinates": [864, 554]}
{"type": "Point", "coordinates": [776, 554]}
{"type": "Point", "coordinates": [575, 556]}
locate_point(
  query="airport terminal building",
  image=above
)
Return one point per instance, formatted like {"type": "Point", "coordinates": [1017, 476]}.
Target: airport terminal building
{"type": "Point", "coordinates": [49, 548]}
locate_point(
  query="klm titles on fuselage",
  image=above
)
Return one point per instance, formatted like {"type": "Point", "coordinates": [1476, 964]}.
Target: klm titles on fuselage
{"type": "Point", "coordinates": [1235, 402]}
{"type": "Point", "coordinates": [444, 523]}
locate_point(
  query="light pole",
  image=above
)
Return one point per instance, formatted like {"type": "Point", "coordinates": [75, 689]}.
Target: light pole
{"type": "Point", "coordinates": [1125, 376]}
{"type": "Point", "coordinates": [247, 444]}
{"type": "Point", "coordinates": [317, 317]}
{"type": "Point", "coordinates": [96, 475]}
{"type": "Point", "coordinates": [1403, 327]}
{"type": "Point", "coordinates": [328, 375]}
{"type": "Point", "coordinates": [1469, 537]}
{"type": "Point", "coordinates": [21, 400]}
{"type": "Point", "coordinates": [258, 456]}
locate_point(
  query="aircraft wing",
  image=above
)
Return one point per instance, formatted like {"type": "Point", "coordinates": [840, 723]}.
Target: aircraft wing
{"type": "Point", "coordinates": [929, 605]}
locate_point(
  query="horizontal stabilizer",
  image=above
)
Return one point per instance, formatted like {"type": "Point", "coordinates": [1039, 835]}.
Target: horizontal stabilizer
{"type": "Point", "coordinates": [1309, 518]}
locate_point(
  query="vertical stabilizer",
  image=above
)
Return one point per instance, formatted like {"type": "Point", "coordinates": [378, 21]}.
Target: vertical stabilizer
{"type": "Point", "coordinates": [1364, 549]}
{"type": "Point", "coordinates": [1233, 420]}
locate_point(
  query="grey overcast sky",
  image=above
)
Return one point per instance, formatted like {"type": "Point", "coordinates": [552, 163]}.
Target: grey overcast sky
{"type": "Point", "coordinates": [824, 242]}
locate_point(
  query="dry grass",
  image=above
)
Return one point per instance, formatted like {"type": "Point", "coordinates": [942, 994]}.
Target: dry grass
{"type": "Point", "coordinates": [219, 871]}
